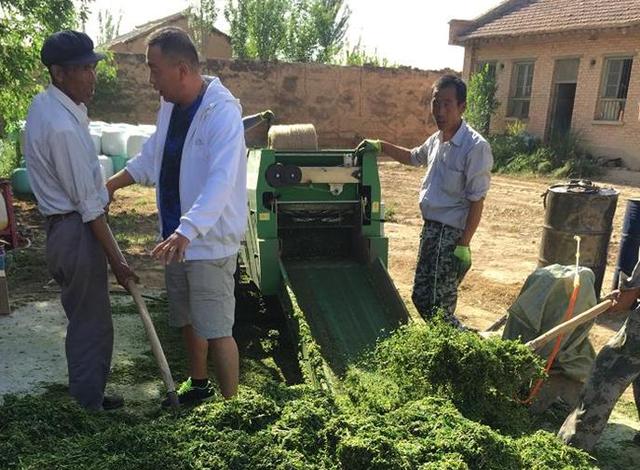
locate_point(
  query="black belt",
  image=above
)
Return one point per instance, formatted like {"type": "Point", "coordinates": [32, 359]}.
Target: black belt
{"type": "Point", "coordinates": [56, 217]}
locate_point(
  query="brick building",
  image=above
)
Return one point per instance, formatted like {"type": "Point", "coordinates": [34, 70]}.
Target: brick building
{"type": "Point", "coordinates": [218, 44]}
{"type": "Point", "coordinates": [560, 65]}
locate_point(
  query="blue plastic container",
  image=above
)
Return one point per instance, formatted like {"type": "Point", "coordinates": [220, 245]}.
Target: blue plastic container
{"type": "Point", "coordinates": [630, 240]}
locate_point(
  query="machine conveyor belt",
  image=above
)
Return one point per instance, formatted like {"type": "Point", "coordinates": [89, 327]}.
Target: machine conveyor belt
{"type": "Point", "coordinates": [348, 306]}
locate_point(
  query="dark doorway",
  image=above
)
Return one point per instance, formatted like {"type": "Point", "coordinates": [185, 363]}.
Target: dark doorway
{"type": "Point", "coordinates": [565, 78]}
{"type": "Point", "coordinates": [563, 109]}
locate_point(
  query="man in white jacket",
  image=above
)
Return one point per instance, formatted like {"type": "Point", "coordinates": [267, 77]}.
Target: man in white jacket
{"type": "Point", "coordinates": [197, 161]}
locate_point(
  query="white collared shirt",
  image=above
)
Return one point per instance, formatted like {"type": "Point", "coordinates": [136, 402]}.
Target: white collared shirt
{"type": "Point", "coordinates": [458, 172]}
{"type": "Point", "coordinates": [62, 164]}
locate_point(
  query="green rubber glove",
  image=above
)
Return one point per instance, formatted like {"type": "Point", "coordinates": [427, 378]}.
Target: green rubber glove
{"type": "Point", "coordinates": [369, 145]}
{"type": "Point", "coordinates": [463, 255]}
{"type": "Point", "coordinates": [267, 115]}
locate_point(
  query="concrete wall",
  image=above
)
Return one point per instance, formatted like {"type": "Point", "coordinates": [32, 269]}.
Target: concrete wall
{"type": "Point", "coordinates": [344, 103]}
{"type": "Point", "coordinates": [605, 138]}
{"type": "Point", "coordinates": [218, 45]}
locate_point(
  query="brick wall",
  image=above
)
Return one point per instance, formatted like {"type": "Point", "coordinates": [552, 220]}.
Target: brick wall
{"type": "Point", "coordinates": [606, 139]}
{"type": "Point", "coordinates": [344, 103]}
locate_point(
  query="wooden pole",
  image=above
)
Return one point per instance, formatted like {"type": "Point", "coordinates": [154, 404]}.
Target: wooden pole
{"type": "Point", "coordinates": [570, 325]}
{"type": "Point", "coordinates": [156, 347]}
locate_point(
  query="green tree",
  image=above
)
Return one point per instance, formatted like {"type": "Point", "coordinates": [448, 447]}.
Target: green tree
{"type": "Point", "coordinates": [108, 26]}
{"type": "Point", "coordinates": [268, 28]}
{"type": "Point", "coordinates": [331, 19]}
{"type": "Point", "coordinates": [237, 15]}
{"type": "Point", "coordinates": [359, 56]}
{"type": "Point", "coordinates": [24, 25]}
{"type": "Point", "coordinates": [293, 30]}
{"type": "Point", "coordinates": [481, 100]}
{"type": "Point", "coordinates": [301, 41]}
{"type": "Point", "coordinates": [202, 18]}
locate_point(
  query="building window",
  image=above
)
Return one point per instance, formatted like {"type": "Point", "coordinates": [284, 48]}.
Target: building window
{"type": "Point", "coordinates": [482, 63]}
{"type": "Point", "coordinates": [520, 94]}
{"type": "Point", "coordinates": [613, 93]}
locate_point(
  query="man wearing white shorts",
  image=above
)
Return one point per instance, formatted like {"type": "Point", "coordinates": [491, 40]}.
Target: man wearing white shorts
{"type": "Point", "coordinates": [197, 161]}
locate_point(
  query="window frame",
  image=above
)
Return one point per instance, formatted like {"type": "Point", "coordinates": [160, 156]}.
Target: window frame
{"type": "Point", "coordinates": [516, 98]}
{"type": "Point", "coordinates": [609, 108]}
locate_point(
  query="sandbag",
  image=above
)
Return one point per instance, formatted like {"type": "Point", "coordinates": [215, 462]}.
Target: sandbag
{"type": "Point", "coordinates": [293, 137]}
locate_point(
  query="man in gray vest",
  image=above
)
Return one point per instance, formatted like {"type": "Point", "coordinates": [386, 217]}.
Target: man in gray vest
{"type": "Point", "coordinates": [458, 162]}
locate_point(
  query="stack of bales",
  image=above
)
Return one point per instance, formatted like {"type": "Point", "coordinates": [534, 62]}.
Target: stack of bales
{"type": "Point", "coordinates": [117, 143]}
{"type": "Point", "coordinates": [114, 143]}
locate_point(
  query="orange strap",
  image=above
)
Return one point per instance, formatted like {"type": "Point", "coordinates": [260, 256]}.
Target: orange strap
{"type": "Point", "coordinates": [556, 347]}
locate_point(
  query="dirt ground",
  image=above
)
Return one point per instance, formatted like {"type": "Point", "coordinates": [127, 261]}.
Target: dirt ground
{"type": "Point", "coordinates": [505, 247]}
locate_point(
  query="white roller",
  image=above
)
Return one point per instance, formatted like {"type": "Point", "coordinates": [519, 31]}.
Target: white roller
{"type": "Point", "coordinates": [106, 165]}
{"type": "Point", "coordinates": [135, 141]}
{"type": "Point", "coordinates": [114, 140]}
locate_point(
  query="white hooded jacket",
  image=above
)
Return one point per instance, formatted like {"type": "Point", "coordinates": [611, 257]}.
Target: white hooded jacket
{"type": "Point", "coordinates": [213, 173]}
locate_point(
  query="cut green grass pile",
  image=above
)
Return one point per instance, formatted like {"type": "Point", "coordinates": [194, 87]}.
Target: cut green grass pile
{"type": "Point", "coordinates": [428, 397]}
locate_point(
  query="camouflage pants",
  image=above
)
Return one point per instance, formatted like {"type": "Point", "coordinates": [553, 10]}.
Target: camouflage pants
{"type": "Point", "coordinates": [436, 281]}
{"type": "Point", "coordinates": [615, 368]}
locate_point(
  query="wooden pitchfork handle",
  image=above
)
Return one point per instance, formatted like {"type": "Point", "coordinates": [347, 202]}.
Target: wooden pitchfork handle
{"type": "Point", "coordinates": [570, 325]}
{"type": "Point", "coordinates": [156, 347]}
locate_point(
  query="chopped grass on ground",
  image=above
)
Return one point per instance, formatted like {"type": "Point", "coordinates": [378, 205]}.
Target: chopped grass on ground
{"type": "Point", "coordinates": [428, 397]}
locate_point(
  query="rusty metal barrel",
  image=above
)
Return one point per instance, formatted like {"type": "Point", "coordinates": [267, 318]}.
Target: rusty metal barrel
{"type": "Point", "coordinates": [582, 208]}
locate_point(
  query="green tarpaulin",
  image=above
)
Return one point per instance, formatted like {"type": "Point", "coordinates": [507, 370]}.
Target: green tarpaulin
{"type": "Point", "coordinates": [542, 304]}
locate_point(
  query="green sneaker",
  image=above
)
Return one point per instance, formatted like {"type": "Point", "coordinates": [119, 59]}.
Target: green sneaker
{"type": "Point", "coordinates": [190, 395]}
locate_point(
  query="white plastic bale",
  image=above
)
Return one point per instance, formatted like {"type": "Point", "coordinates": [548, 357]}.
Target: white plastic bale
{"type": "Point", "coordinates": [135, 142]}
{"type": "Point", "coordinates": [293, 137]}
{"type": "Point", "coordinates": [114, 140]}
{"type": "Point", "coordinates": [106, 166]}
{"type": "Point", "coordinates": [147, 129]}
{"type": "Point", "coordinates": [97, 140]}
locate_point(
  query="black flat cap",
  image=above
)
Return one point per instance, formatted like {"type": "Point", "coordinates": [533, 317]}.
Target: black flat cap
{"type": "Point", "coordinates": [69, 48]}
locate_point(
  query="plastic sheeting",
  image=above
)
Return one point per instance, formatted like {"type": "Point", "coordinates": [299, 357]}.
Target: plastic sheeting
{"type": "Point", "coordinates": [542, 304]}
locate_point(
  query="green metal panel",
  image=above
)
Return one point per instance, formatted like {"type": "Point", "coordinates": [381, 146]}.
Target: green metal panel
{"type": "Point", "coordinates": [270, 278]}
{"type": "Point", "coordinates": [371, 179]}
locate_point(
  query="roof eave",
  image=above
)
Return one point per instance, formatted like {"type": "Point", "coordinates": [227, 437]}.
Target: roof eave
{"type": "Point", "coordinates": [463, 40]}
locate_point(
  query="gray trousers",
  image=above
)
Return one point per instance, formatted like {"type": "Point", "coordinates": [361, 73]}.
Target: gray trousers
{"type": "Point", "coordinates": [616, 367]}
{"type": "Point", "coordinates": [78, 264]}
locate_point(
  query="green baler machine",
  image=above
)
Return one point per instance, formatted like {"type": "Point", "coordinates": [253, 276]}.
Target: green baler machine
{"type": "Point", "coordinates": [315, 242]}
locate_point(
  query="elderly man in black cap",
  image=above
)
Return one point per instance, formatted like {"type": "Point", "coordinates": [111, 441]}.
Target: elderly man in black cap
{"type": "Point", "coordinates": [65, 175]}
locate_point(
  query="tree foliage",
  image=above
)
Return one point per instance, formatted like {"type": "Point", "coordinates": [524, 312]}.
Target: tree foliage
{"type": "Point", "coordinates": [359, 56]}
{"type": "Point", "coordinates": [108, 26]}
{"type": "Point", "coordinates": [291, 30]}
{"type": "Point", "coordinates": [24, 25]}
{"type": "Point", "coordinates": [481, 100]}
{"type": "Point", "coordinates": [202, 17]}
